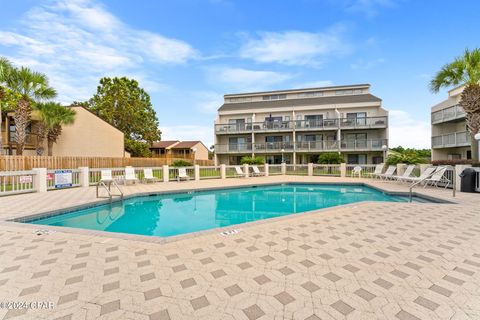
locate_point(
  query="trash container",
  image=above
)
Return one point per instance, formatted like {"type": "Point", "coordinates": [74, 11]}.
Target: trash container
{"type": "Point", "coordinates": [468, 177]}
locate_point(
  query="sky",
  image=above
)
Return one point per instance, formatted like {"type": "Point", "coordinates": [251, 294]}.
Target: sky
{"type": "Point", "coordinates": [188, 53]}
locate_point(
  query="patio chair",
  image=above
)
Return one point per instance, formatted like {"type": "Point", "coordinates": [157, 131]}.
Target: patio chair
{"type": "Point", "coordinates": [388, 174]}
{"type": "Point", "coordinates": [406, 174]}
{"type": "Point", "coordinates": [427, 173]}
{"type": "Point", "coordinates": [257, 172]}
{"type": "Point", "coordinates": [148, 175]}
{"type": "Point", "coordinates": [357, 171]}
{"type": "Point", "coordinates": [182, 175]}
{"type": "Point", "coordinates": [437, 176]}
{"type": "Point", "coordinates": [106, 176]}
{"type": "Point", "coordinates": [130, 175]}
{"type": "Point", "coordinates": [378, 171]}
{"type": "Point", "coordinates": [239, 172]}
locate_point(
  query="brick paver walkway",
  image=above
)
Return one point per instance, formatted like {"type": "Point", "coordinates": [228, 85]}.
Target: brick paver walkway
{"type": "Point", "coordinates": [365, 261]}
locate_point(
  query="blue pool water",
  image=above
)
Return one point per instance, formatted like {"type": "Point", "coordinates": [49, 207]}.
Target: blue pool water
{"type": "Point", "coordinates": [174, 214]}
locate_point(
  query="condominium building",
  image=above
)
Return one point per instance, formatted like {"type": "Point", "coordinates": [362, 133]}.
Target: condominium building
{"type": "Point", "coordinates": [450, 137]}
{"type": "Point", "coordinates": [295, 126]}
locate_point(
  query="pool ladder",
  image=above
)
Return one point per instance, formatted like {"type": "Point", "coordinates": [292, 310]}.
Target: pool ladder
{"type": "Point", "coordinates": [107, 186]}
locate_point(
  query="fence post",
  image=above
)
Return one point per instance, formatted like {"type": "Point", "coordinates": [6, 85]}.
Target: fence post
{"type": "Point", "coordinates": [401, 168]}
{"type": "Point", "coordinates": [166, 173]}
{"type": "Point", "coordinates": [246, 170]}
{"type": "Point", "coordinates": [84, 177]}
{"type": "Point", "coordinates": [197, 172]}
{"type": "Point", "coordinates": [266, 170]}
{"type": "Point", "coordinates": [343, 170]}
{"type": "Point", "coordinates": [223, 171]}
{"type": "Point", "coordinates": [284, 168]}
{"type": "Point", "coordinates": [40, 179]}
{"type": "Point", "coordinates": [424, 166]}
{"type": "Point", "coordinates": [310, 169]}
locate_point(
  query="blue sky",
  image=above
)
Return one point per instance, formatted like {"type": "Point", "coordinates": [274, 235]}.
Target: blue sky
{"type": "Point", "coordinates": [188, 53]}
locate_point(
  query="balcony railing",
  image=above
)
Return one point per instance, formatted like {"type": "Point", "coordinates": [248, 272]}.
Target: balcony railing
{"type": "Point", "coordinates": [456, 139]}
{"type": "Point", "coordinates": [30, 139]}
{"type": "Point", "coordinates": [323, 124]}
{"type": "Point", "coordinates": [304, 146]}
{"type": "Point", "coordinates": [448, 114]}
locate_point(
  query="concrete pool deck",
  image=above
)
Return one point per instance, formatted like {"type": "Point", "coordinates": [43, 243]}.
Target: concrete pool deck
{"type": "Point", "coordinates": [362, 261]}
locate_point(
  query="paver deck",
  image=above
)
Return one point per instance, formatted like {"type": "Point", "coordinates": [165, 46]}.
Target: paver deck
{"type": "Point", "coordinates": [362, 261]}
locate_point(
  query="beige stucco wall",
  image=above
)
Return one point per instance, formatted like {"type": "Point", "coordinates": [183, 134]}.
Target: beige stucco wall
{"type": "Point", "coordinates": [442, 154]}
{"type": "Point", "coordinates": [201, 153]}
{"type": "Point", "coordinates": [89, 136]}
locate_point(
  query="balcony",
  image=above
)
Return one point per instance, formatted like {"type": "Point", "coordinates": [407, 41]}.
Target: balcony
{"type": "Point", "coordinates": [451, 140]}
{"type": "Point", "coordinates": [448, 114]}
{"type": "Point", "coordinates": [303, 125]}
{"type": "Point", "coordinates": [304, 146]}
{"type": "Point", "coordinates": [30, 140]}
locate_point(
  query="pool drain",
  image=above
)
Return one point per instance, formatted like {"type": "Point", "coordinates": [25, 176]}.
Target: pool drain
{"type": "Point", "coordinates": [42, 232]}
{"type": "Point", "coordinates": [229, 232]}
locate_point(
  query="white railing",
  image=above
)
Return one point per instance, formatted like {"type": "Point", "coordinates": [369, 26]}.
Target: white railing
{"type": "Point", "coordinates": [274, 169]}
{"type": "Point", "coordinates": [95, 174]}
{"type": "Point", "coordinates": [455, 139]}
{"type": "Point", "coordinates": [52, 184]}
{"type": "Point", "coordinates": [326, 170]}
{"type": "Point", "coordinates": [173, 172]}
{"type": "Point", "coordinates": [298, 169]}
{"type": "Point", "coordinates": [15, 182]}
{"type": "Point", "coordinates": [447, 114]}
{"type": "Point", "coordinates": [367, 169]}
{"type": "Point", "coordinates": [156, 171]}
{"type": "Point", "coordinates": [210, 172]}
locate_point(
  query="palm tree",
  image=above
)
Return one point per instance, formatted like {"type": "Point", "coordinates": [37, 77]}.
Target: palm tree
{"type": "Point", "coordinates": [53, 116]}
{"type": "Point", "coordinates": [32, 87]}
{"type": "Point", "coordinates": [5, 68]}
{"type": "Point", "coordinates": [464, 70]}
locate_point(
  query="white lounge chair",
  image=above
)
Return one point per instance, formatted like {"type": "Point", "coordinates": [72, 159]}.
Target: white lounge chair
{"type": "Point", "coordinates": [130, 175]}
{"type": "Point", "coordinates": [357, 171]}
{"type": "Point", "coordinates": [148, 175]}
{"type": "Point", "coordinates": [406, 174]}
{"type": "Point", "coordinates": [437, 176]}
{"type": "Point", "coordinates": [239, 172]}
{"type": "Point", "coordinates": [427, 173]}
{"type": "Point", "coordinates": [378, 171]}
{"type": "Point", "coordinates": [257, 172]}
{"type": "Point", "coordinates": [182, 174]}
{"type": "Point", "coordinates": [388, 174]}
{"type": "Point", "coordinates": [106, 176]}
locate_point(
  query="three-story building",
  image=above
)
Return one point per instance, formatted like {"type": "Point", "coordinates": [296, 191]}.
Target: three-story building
{"type": "Point", "coordinates": [450, 137]}
{"type": "Point", "coordinates": [295, 126]}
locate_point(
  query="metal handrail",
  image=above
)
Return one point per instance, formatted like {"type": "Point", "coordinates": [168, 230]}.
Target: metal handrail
{"type": "Point", "coordinates": [108, 189]}
{"type": "Point", "coordinates": [417, 182]}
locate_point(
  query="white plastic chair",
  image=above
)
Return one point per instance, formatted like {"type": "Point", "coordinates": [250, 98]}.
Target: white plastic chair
{"type": "Point", "coordinates": [257, 172]}
{"type": "Point", "coordinates": [148, 175]}
{"type": "Point", "coordinates": [389, 173]}
{"type": "Point", "coordinates": [406, 174]}
{"type": "Point", "coordinates": [437, 177]}
{"type": "Point", "coordinates": [239, 172]}
{"type": "Point", "coordinates": [130, 175]}
{"type": "Point", "coordinates": [427, 173]}
{"type": "Point", "coordinates": [182, 174]}
{"type": "Point", "coordinates": [378, 171]}
{"type": "Point", "coordinates": [106, 176]}
{"type": "Point", "coordinates": [357, 171]}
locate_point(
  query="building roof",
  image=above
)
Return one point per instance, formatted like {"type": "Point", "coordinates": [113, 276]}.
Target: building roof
{"type": "Point", "coordinates": [163, 144]}
{"type": "Point", "coordinates": [186, 144]}
{"type": "Point", "coordinates": [268, 104]}
{"type": "Point", "coordinates": [361, 85]}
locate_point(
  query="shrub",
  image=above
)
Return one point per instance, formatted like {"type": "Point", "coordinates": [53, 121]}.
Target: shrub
{"type": "Point", "coordinates": [405, 157]}
{"type": "Point", "coordinates": [181, 163]}
{"type": "Point", "coordinates": [455, 162]}
{"type": "Point", "coordinates": [252, 160]}
{"type": "Point", "coordinates": [330, 158]}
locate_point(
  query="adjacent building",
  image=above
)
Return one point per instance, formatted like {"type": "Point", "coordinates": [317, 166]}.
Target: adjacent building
{"type": "Point", "coordinates": [88, 136]}
{"type": "Point", "coordinates": [295, 126]}
{"type": "Point", "coordinates": [194, 150]}
{"type": "Point", "coordinates": [450, 137]}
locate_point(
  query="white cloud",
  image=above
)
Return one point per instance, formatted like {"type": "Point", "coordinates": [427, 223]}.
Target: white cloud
{"type": "Point", "coordinates": [366, 64]}
{"type": "Point", "coordinates": [370, 7]}
{"type": "Point", "coordinates": [314, 84]}
{"type": "Point", "coordinates": [293, 47]}
{"type": "Point", "coordinates": [189, 132]}
{"type": "Point", "coordinates": [76, 42]}
{"type": "Point", "coordinates": [207, 101]}
{"type": "Point", "coordinates": [247, 80]}
{"type": "Point", "coordinates": [408, 131]}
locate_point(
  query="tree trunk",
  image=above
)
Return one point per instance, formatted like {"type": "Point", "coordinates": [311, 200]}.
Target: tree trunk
{"type": "Point", "coordinates": [50, 147]}
{"type": "Point", "coordinates": [21, 118]}
{"type": "Point", "coordinates": [474, 147]}
{"type": "Point", "coordinates": [470, 102]}
{"type": "Point", "coordinates": [1, 133]}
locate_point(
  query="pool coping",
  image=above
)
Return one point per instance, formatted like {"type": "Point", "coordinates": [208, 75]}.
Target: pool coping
{"type": "Point", "coordinates": [23, 221]}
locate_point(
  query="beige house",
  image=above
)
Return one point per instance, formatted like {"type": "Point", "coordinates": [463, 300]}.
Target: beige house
{"type": "Point", "coordinates": [450, 137]}
{"type": "Point", "coordinates": [88, 136]}
{"type": "Point", "coordinates": [194, 150]}
{"type": "Point", "coordinates": [297, 125]}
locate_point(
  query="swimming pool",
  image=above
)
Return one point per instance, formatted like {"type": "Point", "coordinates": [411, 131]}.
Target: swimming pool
{"type": "Point", "coordinates": [167, 215]}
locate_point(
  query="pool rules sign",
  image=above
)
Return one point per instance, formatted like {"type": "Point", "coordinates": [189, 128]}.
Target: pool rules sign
{"type": "Point", "coordinates": [63, 179]}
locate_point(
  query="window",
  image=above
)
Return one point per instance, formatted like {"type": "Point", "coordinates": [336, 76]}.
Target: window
{"type": "Point", "coordinates": [275, 97]}
{"type": "Point", "coordinates": [310, 94]}
{"type": "Point", "coordinates": [358, 91]}
{"type": "Point", "coordinates": [241, 99]}
{"type": "Point", "coordinates": [343, 92]}
{"type": "Point", "coordinates": [454, 156]}
{"type": "Point", "coordinates": [357, 159]}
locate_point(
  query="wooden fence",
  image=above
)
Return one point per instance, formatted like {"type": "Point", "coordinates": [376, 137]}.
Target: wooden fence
{"type": "Point", "coordinates": [14, 163]}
